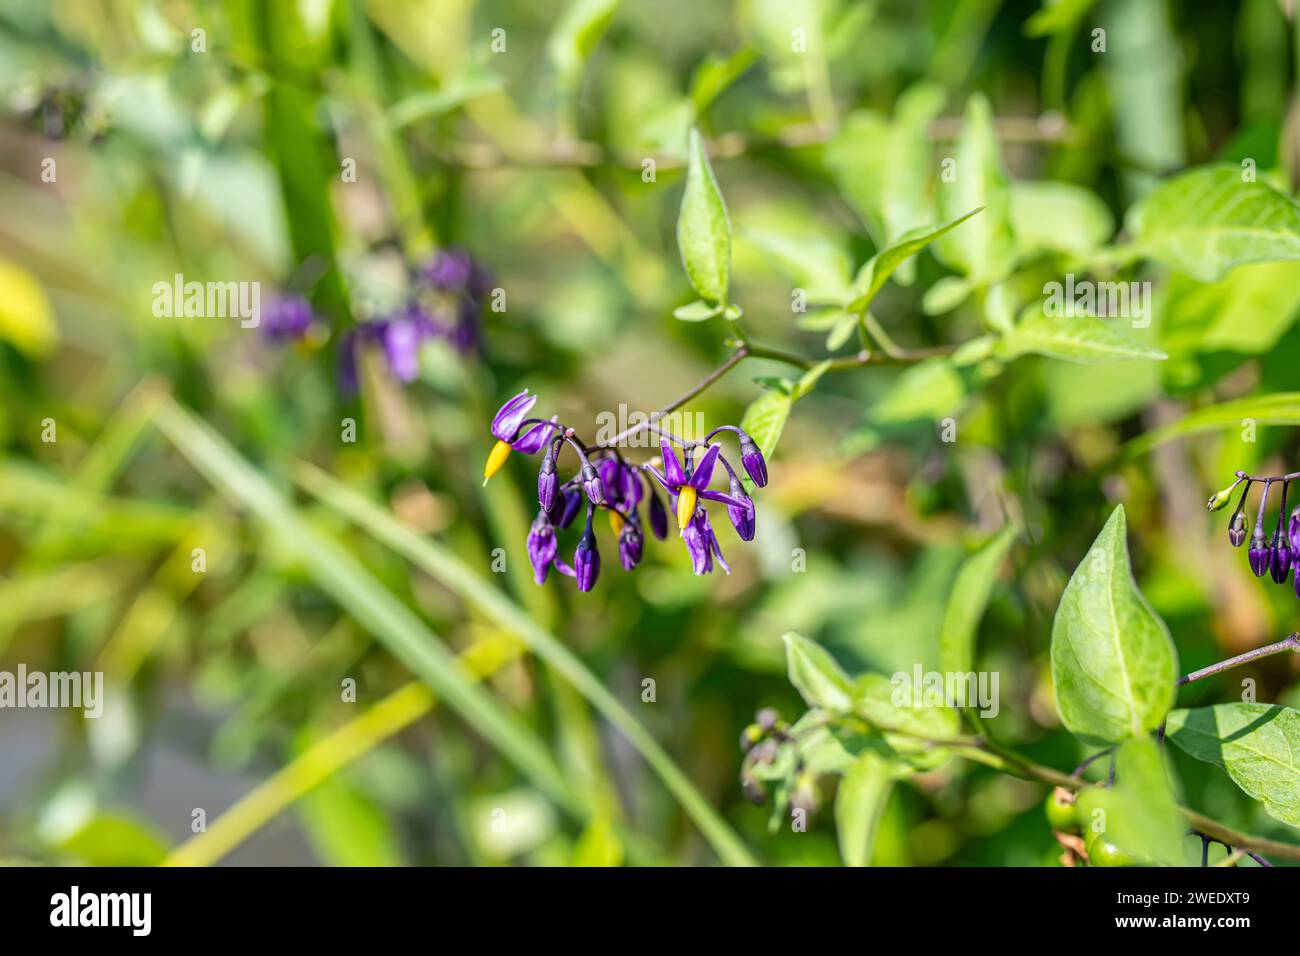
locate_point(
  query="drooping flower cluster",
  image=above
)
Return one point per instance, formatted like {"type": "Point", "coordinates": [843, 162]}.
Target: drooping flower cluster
{"type": "Point", "coordinates": [1272, 556]}
{"type": "Point", "coordinates": [606, 481]}
{"type": "Point", "coordinates": [445, 302]}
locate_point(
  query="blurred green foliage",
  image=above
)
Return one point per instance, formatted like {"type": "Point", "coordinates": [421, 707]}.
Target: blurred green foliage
{"type": "Point", "coordinates": [551, 140]}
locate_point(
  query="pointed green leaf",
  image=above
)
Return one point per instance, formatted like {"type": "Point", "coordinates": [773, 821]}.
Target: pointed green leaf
{"type": "Point", "coordinates": [859, 802]}
{"type": "Point", "coordinates": [873, 274]}
{"type": "Point", "coordinates": [1281, 408]}
{"type": "Point", "coordinates": [1208, 220]}
{"type": "Point", "coordinates": [816, 676]}
{"type": "Point", "coordinates": [1257, 744]}
{"type": "Point", "coordinates": [1113, 662]}
{"type": "Point", "coordinates": [1085, 339]}
{"type": "Point", "coordinates": [985, 251]}
{"type": "Point", "coordinates": [697, 311]}
{"type": "Point", "coordinates": [1058, 217]}
{"type": "Point", "coordinates": [967, 601]}
{"type": "Point", "coordinates": [703, 229]}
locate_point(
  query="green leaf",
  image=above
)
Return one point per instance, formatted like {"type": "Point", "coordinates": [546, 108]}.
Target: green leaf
{"type": "Point", "coordinates": [1258, 744]}
{"type": "Point", "coordinates": [874, 273]}
{"type": "Point", "coordinates": [1206, 221]}
{"type": "Point", "coordinates": [928, 390]}
{"type": "Point", "coordinates": [1281, 408]}
{"type": "Point", "coordinates": [1085, 339]}
{"type": "Point", "coordinates": [841, 331]}
{"type": "Point", "coordinates": [1247, 311]}
{"type": "Point", "coordinates": [716, 74]}
{"type": "Point", "coordinates": [576, 34]}
{"type": "Point", "coordinates": [765, 418]}
{"type": "Point", "coordinates": [985, 251]}
{"type": "Point", "coordinates": [1058, 217]}
{"type": "Point", "coordinates": [703, 229]}
{"type": "Point", "coordinates": [945, 295]}
{"type": "Point", "coordinates": [116, 839]}
{"type": "Point", "coordinates": [1113, 662]}
{"type": "Point", "coordinates": [1140, 813]}
{"type": "Point", "coordinates": [816, 264]}
{"type": "Point", "coordinates": [879, 700]}
{"type": "Point", "coordinates": [967, 601]}
{"type": "Point", "coordinates": [859, 802]}
{"type": "Point", "coordinates": [697, 311]}
{"type": "Point", "coordinates": [1057, 16]}
{"type": "Point", "coordinates": [883, 167]}
{"type": "Point", "coordinates": [815, 675]}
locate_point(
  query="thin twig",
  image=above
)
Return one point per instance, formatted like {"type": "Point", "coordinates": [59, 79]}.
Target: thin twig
{"type": "Point", "coordinates": [1289, 643]}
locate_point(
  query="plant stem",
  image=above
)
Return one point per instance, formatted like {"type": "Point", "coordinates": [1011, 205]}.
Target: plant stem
{"type": "Point", "coordinates": [1289, 643]}
{"type": "Point", "coordinates": [736, 357]}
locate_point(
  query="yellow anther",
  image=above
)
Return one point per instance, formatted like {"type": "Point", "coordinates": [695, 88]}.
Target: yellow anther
{"type": "Point", "coordinates": [495, 459]}
{"type": "Point", "coordinates": [686, 496]}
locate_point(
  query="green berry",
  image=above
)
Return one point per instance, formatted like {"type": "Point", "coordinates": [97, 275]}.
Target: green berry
{"type": "Point", "coordinates": [1062, 813]}
{"type": "Point", "coordinates": [1101, 852]}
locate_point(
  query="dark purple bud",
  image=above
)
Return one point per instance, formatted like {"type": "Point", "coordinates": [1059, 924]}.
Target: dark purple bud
{"type": "Point", "coordinates": [507, 419]}
{"type": "Point", "coordinates": [742, 518]}
{"type": "Point", "coordinates": [658, 516]}
{"type": "Point", "coordinates": [611, 482]}
{"type": "Point", "coordinates": [1237, 528]}
{"type": "Point", "coordinates": [632, 491]}
{"type": "Point", "coordinates": [630, 543]}
{"type": "Point", "coordinates": [547, 481]}
{"type": "Point", "coordinates": [349, 380]}
{"type": "Point", "coordinates": [567, 506]}
{"type": "Point", "coordinates": [1293, 530]}
{"type": "Point", "coordinates": [541, 545]}
{"type": "Point", "coordinates": [586, 560]}
{"type": "Point", "coordinates": [1259, 553]}
{"type": "Point", "coordinates": [591, 484]}
{"type": "Point", "coordinates": [1280, 560]}
{"type": "Point", "coordinates": [753, 461]}
{"type": "Point", "coordinates": [287, 319]}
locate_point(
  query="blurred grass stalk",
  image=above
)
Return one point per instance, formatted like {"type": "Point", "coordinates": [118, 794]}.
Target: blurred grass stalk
{"type": "Point", "coordinates": [345, 579]}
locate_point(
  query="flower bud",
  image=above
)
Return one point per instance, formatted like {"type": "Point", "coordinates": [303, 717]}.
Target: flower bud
{"type": "Point", "coordinates": [1293, 531]}
{"type": "Point", "coordinates": [1259, 553]}
{"type": "Point", "coordinates": [1280, 559]}
{"type": "Point", "coordinates": [750, 736]}
{"type": "Point", "coordinates": [541, 546]}
{"type": "Point", "coordinates": [753, 461]}
{"type": "Point", "coordinates": [547, 481]}
{"type": "Point", "coordinates": [742, 519]}
{"type": "Point", "coordinates": [566, 507]}
{"type": "Point", "coordinates": [586, 560]}
{"type": "Point", "coordinates": [630, 544]}
{"type": "Point", "coordinates": [767, 718]}
{"type": "Point", "coordinates": [1219, 500]}
{"type": "Point", "coordinates": [658, 516]}
{"type": "Point", "coordinates": [1237, 528]}
{"type": "Point", "coordinates": [591, 484]}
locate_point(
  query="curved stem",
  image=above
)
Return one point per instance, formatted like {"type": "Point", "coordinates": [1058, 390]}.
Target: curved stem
{"type": "Point", "coordinates": [1289, 643]}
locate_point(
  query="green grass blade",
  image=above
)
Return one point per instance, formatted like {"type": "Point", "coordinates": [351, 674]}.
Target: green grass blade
{"type": "Point", "coordinates": [346, 581]}
{"type": "Point", "coordinates": [452, 572]}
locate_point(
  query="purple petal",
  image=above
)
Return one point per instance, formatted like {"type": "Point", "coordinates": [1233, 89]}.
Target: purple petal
{"type": "Point", "coordinates": [672, 467]}
{"type": "Point", "coordinates": [506, 421]}
{"type": "Point", "coordinates": [729, 500]}
{"type": "Point", "coordinates": [531, 442]}
{"type": "Point", "coordinates": [700, 479]}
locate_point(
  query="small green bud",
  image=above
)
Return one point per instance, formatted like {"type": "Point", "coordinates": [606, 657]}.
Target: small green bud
{"type": "Point", "coordinates": [1219, 500]}
{"type": "Point", "coordinates": [750, 736]}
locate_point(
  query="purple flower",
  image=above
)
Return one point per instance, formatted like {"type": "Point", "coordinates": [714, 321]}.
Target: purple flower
{"type": "Point", "coordinates": [505, 426]}
{"type": "Point", "coordinates": [287, 319]}
{"type": "Point", "coordinates": [687, 490]}
{"type": "Point", "coordinates": [742, 518]}
{"type": "Point", "coordinates": [630, 543]}
{"type": "Point", "coordinates": [401, 339]}
{"type": "Point", "coordinates": [1293, 530]}
{"type": "Point", "coordinates": [450, 270]}
{"type": "Point", "coordinates": [586, 560]}
{"type": "Point", "coordinates": [541, 545]}
{"type": "Point", "coordinates": [753, 461]}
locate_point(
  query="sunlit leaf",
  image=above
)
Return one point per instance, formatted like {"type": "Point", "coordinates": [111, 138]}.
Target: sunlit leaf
{"type": "Point", "coordinates": [703, 229]}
